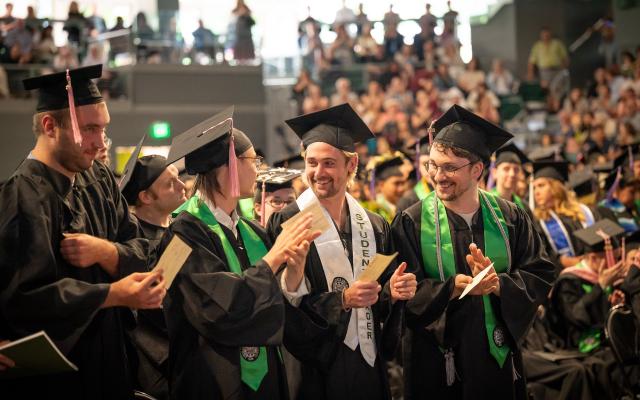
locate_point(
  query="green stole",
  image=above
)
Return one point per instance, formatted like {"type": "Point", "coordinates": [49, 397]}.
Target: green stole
{"type": "Point", "coordinates": [421, 190]}
{"type": "Point", "coordinates": [438, 258]}
{"type": "Point", "coordinates": [254, 369]}
{"type": "Point", "coordinates": [516, 199]}
{"type": "Point", "coordinates": [246, 207]}
{"type": "Point", "coordinates": [591, 338]}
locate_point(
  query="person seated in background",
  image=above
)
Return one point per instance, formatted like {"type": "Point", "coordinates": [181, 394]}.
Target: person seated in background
{"type": "Point", "coordinates": [343, 93]}
{"type": "Point", "coordinates": [389, 184]}
{"type": "Point", "coordinates": [340, 52]}
{"type": "Point", "coordinates": [500, 80]}
{"type": "Point", "coordinates": [314, 100]}
{"type": "Point", "coordinates": [471, 77]}
{"type": "Point", "coordinates": [366, 46]}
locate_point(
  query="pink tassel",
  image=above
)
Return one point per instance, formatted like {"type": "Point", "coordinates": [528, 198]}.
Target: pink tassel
{"type": "Point", "coordinates": [233, 167]}
{"type": "Point", "coordinates": [430, 130]}
{"type": "Point", "coordinates": [262, 203]}
{"type": "Point", "coordinates": [418, 176]}
{"type": "Point", "coordinates": [77, 138]}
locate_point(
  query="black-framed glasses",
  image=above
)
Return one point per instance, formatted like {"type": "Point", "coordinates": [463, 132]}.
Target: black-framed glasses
{"type": "Point", "coordinates": [257, 160]}
{"type": "Point", "coordinates": [447, 169]}
{"type": "Point", "coordinates": [277, 202]}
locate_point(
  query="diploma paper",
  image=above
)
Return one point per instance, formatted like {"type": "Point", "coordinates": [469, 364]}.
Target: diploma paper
{"type": "Point", "coordinates": [376, 267]}
{"type": "Point", "coordinates": [318, 223]}
{"type": "Point", "coordinates": [172, 259]}
{"type": "Point", "coordinates": [476, 280]}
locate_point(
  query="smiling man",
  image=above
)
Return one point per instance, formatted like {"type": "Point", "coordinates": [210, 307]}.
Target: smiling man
{"type": "Point", "coordinates": [66, 237]}
{"type": "Point", "coordinates": [336, 329]}
{"type": "Point", "coordinates": [468, 348]}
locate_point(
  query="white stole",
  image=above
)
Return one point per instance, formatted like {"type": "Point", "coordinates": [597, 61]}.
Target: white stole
{"type": "Point", "coordinates": [339, 273]}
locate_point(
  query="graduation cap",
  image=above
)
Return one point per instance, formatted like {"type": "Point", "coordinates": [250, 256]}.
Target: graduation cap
{"type": "Point", "coordinates": [593, 237]}
{"type": "Point", "coordinates": [209, 145]}
{"type": "Point", "coordinates": [461, 128]}
{"type": "Point", "coordinates": [619, 178]}
{"type": "Point", "coordinates": [272, 180]}
{"type": "Point", "coordinates": [558, 170]}
{"type": "Point", "coordinates": [547, 153]}
{"type": "Point", "coordinates": [603, 167]}
{"type": "Point", "coordinates": [69, 89]}
{"type": "Point", "coordinates": [510, 153]}
{"type": "Point", "coordinates": [388, 167]}
{"type": "Point", "coordinates": [53, 95]}
{"type": "Point", "coordinates": [145, 172]}
{"type": "Point", "coordinates": [584, 183]}
{"type": "Point", "coordinates": [296, 162]}
{"type": "Point", "coordinates": [338, 126]}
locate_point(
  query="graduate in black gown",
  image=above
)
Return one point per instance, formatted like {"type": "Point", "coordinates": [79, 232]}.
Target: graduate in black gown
{"type": "Point", "coordinates": [66, 242]}
{"type": "Point", "coordinates": [423, 186]}
{"type": "Point", "coordinates": [154, 190]}
{"type": "Point", "coordinates": [334, 321]}
{"type": "Point", "coordinates": [468, 348]}
{"type": "Point", "coordinates": [581, 300]}
{"type": "Point", "coordinates": [224, 310]}
{"type": "Point", "coordinates": [509, 164]}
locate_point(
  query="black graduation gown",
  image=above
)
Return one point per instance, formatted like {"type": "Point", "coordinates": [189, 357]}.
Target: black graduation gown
{"type": "Point", "coordinates": [315, 331]}
{"type": "Point", "coordinates": [435, 320]}
{"type": "Point", "coordinates": [574, 310]}
{"type": "Point", "coordinates": [408, 199]}
{"type": "Point", "coordinates": [631, 289]}
{"type": "Point", "coordinates": [39, 290]}
{"type": "Point", "coordinates": [150, 336]}
{"type": "Point", "coordinates": [211, 313]}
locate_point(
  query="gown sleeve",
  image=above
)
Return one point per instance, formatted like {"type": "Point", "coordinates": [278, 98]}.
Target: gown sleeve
{"type": "Point", "coordinates": [36, 288]}
{"type": "Point", "coordinates": [222, 306]}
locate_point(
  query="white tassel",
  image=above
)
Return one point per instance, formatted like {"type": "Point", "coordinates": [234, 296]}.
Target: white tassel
{"type": "Point", "coordinates": [450, 367]}
{"type": "Point", "coordinates": [516, 376]}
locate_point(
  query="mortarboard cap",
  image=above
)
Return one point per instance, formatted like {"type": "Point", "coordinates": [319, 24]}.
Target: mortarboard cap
{"type": "Point", "coordinates": [594, 242]}
{"type": "Point", "coordinates": [626, 179]}
{"type": "Point", "coordinates": [145, 172]}
{"type": "Point", "coordinates": [461, 128]}
{"type": "Point", "coordinates": [206, 145]}
{"type": "Point", "coordinates": [547, 153]}
{"type": "Point", "coordinates": [558, 170]}
{"type": "Point", "coordinates": [583, 183]}
{"type": "Point", "coordinates": [339, 126]}
{"type": "Point", "coordinates": [296, 162]}
{"type": "Point", "coordinates": [510, 153]}
{"type": "Point", "coordinates": [52, 88]}
{"type": "Point", "coordinates": [388, 167]}
{"type": "Point", "coordinates": [276, 179]}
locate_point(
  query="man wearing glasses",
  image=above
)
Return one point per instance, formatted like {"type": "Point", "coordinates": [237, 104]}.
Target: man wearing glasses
{"type": "Point", "coordinates": [468, 348]}
{"type": "Point", "coordinates": [277, 195]}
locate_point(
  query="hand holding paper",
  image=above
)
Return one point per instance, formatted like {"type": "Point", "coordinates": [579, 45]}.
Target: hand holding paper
{"type": "Point", "coordinates": [484, 282]}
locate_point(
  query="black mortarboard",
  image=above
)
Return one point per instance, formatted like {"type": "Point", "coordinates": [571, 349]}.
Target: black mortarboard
{"type": "Point", "coordinates": [558, 170]}
{"type": "Point", "coordinates": [276, 179]}
{"type": "Point", "coordinates": [583, 183]}
{"type": "Point", "coordinates": [626, 179]}
{"type": "Point", "coordinates": [146, 170]}
{"type": "Point", "coordinates": [594, 243]}
{"type": "Point", "coordinates": [206, 145]}
{"type": "Point", "coordinates": [547, 153]}
{"type": "Point", "coordinates": [603, 167]}
{"type": "Point", "coordinates": [295, 162]}
{"type": "Point", "coordinates": [387, 168]}
{"type": "Point", "coordinates": [338, 126]}
{"type": "Point", "coordinates": [461, 128]}
{"type": "Point", "coordinates": [52, 93]}
{"type": "Point", "coordinates": [510, 153]}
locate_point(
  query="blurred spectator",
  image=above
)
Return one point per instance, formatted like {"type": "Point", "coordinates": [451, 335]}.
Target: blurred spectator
{"type": "Point", "coordinates": [299, 90]}
{"type": "Point", "coordinates": [390, 19]}
{"type": "Point", "coordinates": [204, 40]}
{"type": "Point", "coordinates": [597, 143]}
{"type": "Point", "coordinates": [344, 16]}
{"type": "Point", "coordinates": [397, 90]}
{"type": "Point", "coordinates": [628, 64]}
{"type": "Point", "coordinates": [313, 51]}
{"type": "Point", "coordinates": [371, 103]}
{"type": "Point", "coordinates": [603, 103]}
{"type": "Point", "coordinates": [343, 93]}
{"type": "Point", "coordinates": [484, 103]}
{"type": "Point", "coordinates": [66, 58]}
{"type": "Point", "coordinates": [361, 19]}
{"type": "Point", "coordinates": [616, 82]}
{"type": "Point", "coordinates": [406, 59]}
{"type": "Point", "coordinates": [575, 102]}
{"type": "Point", "coordinates": [314, 100]}
{"type": "Point", "coordinates": [118, 44]}
{"type": "Point", "coordinates": [428, 23]}
{"type": "Point", "coordinates": [46, 49]}
{"type": "Point", "coordinates": [392, 113]}
{"type": "Point", "coordinates": [429, 56]}
{"type": "Point", "coordinates": [450, 20]}
{"type": "Point", "coordinates": [340, 52]}
{"type": "Point", "coordinates": [7, 21]}
{"type": "Point", "coordinates": [500, 80]}
{"type": "Point", "coordinates": [366, 46]}
{"type": "Point", "coordinates": [599, 78]}
{"type": "Point", "coordinates": [450, 55]}
{"type": "Point", "coordinates": [443, 79]}
{"type": "Point", "coordinates": [95, 54]}
{"type": "Point", "coordinates": [243, 48]}
{"type": "Point", "coordinates": [423, 111]}
{"type": "Point", "coordinates": [31, 21]}
{"type": "Point", "coordinates": [19, 41]}
{"type": "Point", "coordinates": [608, 48]}
{"type": "Point", "coordinates": [548, 56]}
{"type": "Point", "coordinates": [141, 28]}
{"type": "Point", "coordinates": [626, 134]}
{"type": "Point", "coordinates": [95, 22]}
{"type": "Point", "coordinates": [75, 24]}
{"type": "Point", "coordinates": [471, 77]}
{"type": "Point", "coordinates": [393, 41]}
{"type": "Point", "coordinates": [303, 29]}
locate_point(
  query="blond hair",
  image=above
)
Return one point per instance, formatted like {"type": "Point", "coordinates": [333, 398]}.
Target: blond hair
{"type": "Point", "coordinates": [564, 203]}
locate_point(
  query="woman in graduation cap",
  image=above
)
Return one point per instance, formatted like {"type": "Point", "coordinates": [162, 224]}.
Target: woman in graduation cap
{"type": "Point", "coordinates": [224, 310]}
{"type": "Point", "coordinates": [468, 348]}
{"type": "Point", "coordinates": [558, 212]}
{"type": "Point", "coordinates": [335, 324]}
{"type": "Point", "coordinates": [581, 299]}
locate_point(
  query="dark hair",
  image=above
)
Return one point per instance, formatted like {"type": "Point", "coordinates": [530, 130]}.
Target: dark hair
{"type": "Point", "coordinates": [60, 117]}
{"type": "Point", "coordinates": [462, 153]}
{"type": "Point", "coordinates": [207, 184]}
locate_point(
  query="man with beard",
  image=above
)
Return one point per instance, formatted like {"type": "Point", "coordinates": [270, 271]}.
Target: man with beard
{"type": "Point", "coordinates": [154, 191]}
{"type": "Point", "coordinates": [468, 348]}
{"type": "Point", "coordinates": [334, 320]}
{"type": "Point", "coordinates": [66, 241]}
